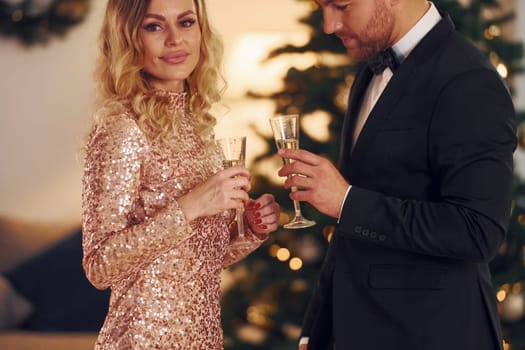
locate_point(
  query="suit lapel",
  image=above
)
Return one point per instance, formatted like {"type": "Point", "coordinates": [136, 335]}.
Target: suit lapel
{"type": "Point", "coordinates": [357, 91]}
{"type": "Point", "coordinates": [396, 87]}
{"type": "Point", "coordinates": [393, 93]}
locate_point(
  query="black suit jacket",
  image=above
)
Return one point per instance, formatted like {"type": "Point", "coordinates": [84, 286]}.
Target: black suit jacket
{"type": "Point", "coordinates": [431, 177]}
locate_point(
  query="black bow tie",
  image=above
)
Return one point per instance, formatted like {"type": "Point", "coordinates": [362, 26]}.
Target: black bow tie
{"type": "Point", "coordinates": [386, 58]}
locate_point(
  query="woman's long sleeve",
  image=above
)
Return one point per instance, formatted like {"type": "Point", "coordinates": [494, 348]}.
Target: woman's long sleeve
{"type": "Point", "coordinates": [125, 226]}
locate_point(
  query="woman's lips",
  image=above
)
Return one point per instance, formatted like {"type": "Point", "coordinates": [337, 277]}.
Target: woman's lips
{"type": "Point", "coordinates": [175, 57]}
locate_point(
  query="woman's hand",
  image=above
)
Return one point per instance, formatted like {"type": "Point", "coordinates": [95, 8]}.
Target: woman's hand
{"type": "Point", "coordinates": [227, 189]}
{"type": "Point", "coordinates": [262, 214]}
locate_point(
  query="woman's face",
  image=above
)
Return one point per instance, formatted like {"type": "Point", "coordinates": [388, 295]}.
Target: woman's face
{"type": "Point", "coordinates": [171, 38]}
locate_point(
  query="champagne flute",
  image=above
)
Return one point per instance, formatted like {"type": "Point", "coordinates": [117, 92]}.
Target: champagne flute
{"type": "Point", "coordinates": [286, 134]}
{"type": "Point", "coordinates": [234, 153]}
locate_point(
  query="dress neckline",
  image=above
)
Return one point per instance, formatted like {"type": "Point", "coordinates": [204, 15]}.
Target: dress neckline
{"type": "Point", "coordinates": [177, 100]}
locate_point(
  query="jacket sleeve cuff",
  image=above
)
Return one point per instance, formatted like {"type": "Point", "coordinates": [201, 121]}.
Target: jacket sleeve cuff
{"type": "Point", "coordinates": [343, 202]}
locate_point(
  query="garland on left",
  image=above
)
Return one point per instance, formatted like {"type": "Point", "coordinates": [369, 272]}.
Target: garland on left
{"type": "Point", "coordinates": [36, 21]}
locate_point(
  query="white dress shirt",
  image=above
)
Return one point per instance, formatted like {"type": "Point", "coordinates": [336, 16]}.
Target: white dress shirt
{"type": "Point", "coordinates": [402, 49]}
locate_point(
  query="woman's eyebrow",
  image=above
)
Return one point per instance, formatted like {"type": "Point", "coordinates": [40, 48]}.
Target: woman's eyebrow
{"type": "Point", "coordinates": [162, 18]}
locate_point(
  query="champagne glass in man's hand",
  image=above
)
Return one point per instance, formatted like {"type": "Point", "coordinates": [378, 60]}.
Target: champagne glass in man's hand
{"type": "Point", "coordinates": [286, 134]}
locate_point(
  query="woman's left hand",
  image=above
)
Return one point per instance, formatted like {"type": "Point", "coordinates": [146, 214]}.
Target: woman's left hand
{"type": "Point", "coordinates": [262, 214]}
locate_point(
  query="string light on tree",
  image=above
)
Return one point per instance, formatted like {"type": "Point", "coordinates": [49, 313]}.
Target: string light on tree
{"type": "Point", "coordinates": [328, 231]}
{"type": "Point", "coordinates": [283, 254]}
{"type": "Point", "coordinates": [296, 264]}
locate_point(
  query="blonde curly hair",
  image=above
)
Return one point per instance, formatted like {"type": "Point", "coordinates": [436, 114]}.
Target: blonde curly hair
{"type": "Point", "coordinates": [121, 84]}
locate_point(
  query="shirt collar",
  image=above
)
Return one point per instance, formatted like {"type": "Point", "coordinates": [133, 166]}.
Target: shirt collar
{"type": "Point", "coordinates": [407, 43]}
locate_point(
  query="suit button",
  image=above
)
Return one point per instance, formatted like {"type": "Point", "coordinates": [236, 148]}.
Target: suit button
{"type": "Point", "coordinates": [382, 237]}
{"type": "Point", "coordinates": [357, 229]}
{"type": "Point", "coordinates": [373, 235]}
{"type": "Point", "coordinates": [366, 232]}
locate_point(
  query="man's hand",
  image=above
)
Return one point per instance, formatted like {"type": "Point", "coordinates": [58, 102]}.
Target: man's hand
{"type": "Point", "coordinates": [317, 179]}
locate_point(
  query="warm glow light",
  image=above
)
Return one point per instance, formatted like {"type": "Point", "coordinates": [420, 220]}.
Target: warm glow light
{"type": "Point", "coordinates": [283, 254]}
{"type": "Point", "coordinates": [296, 264]}
{"type": "Point", "coordinates": [492, 32]}
{"type": "Point", "coordinates": [269, 167]}
{"type": "Point", "coordinates": [501, 295]}
{"type": "Point", "coordinates": [291, 331]}
{"type": "Point", "coordinates": [274, 248]}
{"type": "Point", "coordinates": [258, 314]}
{"type": "Point", "coordinates": [284, 217]}
{"type": "Point", "coordinates": [255, 316]}
{"type": "Point", "coordinates": [500, 66]}
{"type": "Point", "coordinates": [502, 70]}
{"type": "Point", "coordinates": [327, 232]}
{"type": "Point", "coordinates": [487, 13]}
{"type": "Point", "coordinates": [516, 288]}
{"type": "Point", "coordinates": [248, 68]}
{"type": "Point", "coordinates": [494, 58]}
{"type": "Point", "coordinates": [316, 125]}
{"type": "Point", "coordinates": [341, 98]}
{"type": "Point", "coordinates": [251, 334]}
{"type": "Point", "coordinates": [298, 286]}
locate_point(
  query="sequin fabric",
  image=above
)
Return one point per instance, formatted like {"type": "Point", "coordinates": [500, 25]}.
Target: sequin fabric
{"type": "Point", "coordinates": [164, 272]}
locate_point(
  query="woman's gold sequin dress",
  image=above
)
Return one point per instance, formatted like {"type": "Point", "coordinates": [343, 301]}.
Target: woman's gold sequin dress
{"type": "Point", "coordinates": [164, 273]}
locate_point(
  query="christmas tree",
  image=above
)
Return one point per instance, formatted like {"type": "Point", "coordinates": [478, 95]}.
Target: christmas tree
{"type": "Point", "coordinates": [266, 295]}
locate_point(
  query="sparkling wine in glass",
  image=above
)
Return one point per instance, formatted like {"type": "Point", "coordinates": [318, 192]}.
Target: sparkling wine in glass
{"type": "Point", "coordinates": [234, 153]}
{"type": "Point", "coordinates": [286, 134]}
